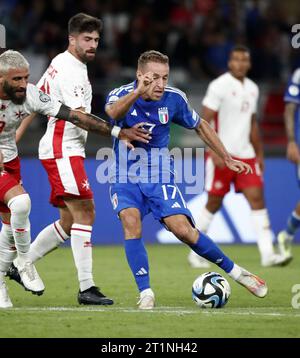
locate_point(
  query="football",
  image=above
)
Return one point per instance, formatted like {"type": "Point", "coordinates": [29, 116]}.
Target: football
{"type": "Point", "coordinates": [211, 290]}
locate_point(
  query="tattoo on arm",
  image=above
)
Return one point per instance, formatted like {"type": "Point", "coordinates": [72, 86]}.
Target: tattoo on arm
{"type": "Point", "coordinates": [85, 120]}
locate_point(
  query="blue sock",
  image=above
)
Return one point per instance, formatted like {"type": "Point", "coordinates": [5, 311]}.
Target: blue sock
{"type": "Point", "coordinates": [293, 224]}
{"type": "Point", "coordinates": [206, 248]}
{"type": "Point", "coordinates": [138, 261]}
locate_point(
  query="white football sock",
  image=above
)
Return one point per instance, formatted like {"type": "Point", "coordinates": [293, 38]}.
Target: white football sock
{"type": "Point", "coordinates": [204, 220]}
{"type": "Point", "coordinates": [235, 273]}
{"type": "Point", "coordinates": [82, 253]}
{"type": "Point", "coordinates": [8, 250]}
{"type": "Point", "coordinates": [47, 240]}
{"type": "Point", "coordinates": [20, 206]}
{"type": "Point", "coordinates": [264, 233]}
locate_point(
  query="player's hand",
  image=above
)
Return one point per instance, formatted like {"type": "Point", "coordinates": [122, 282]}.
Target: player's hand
{"type": "Point", "coordinates": [238, 166]}
{"type": "Point", "coordinates": [144, 82]}
{"type": "Point", "coordinates": [218, 162]}
{"type": "Point", "coordinates": [293, 152]}
{"type": "Point", "coordinates": [137, 132]}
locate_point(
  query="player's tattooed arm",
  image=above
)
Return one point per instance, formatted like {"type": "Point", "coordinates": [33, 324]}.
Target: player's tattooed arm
{"type": "Point", "coordinates": [293, 151]}
{"type": "Point", "coordinates": [210, 137]}
{"type": "Point", "coordinates": [97, 125]}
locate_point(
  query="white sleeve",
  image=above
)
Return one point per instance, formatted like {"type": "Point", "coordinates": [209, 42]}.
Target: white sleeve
{"type": "Point", "coordinates": [213, 96]}
{"type": "Point", "coordinates": [256, 100]}
{"type": "Point", "coordinates": [71, 90]}
{"type": "Point", "coordinates": [40, 102]}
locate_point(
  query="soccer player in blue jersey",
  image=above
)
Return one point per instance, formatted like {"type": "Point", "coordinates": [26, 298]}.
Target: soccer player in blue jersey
{"type": "Point", "coordinates": [292, 124]}
{"type": "Point", "coordinates": [151, 101]}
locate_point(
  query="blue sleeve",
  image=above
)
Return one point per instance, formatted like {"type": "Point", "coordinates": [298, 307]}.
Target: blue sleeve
{"type": "Point", "coordinates": [117, 93]}
{"type": "Point", "coordinates": [292, 92]}
{"type": "Point", "coordinates": [185, 116]}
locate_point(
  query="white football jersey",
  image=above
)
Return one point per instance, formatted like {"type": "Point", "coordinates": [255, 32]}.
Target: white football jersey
{"type": "Point", "coordinates": [12, 114]}
{"type": "Point", "coordinates": [235, 103]}
{"type": "Point", "coordinates": [66, 80]}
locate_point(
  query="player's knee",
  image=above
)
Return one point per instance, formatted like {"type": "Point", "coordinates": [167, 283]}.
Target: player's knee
{"type": "Point", "coordinates": [85, 217]}
{"type": "Point", "coordinates": [131, 225]}
{"type": "Point", "coordinates": [214, 204]}
{"type": "Point", "coordinates": [184, 232]}
{"type": "Point", "coordinates": [20, 205]}
{"type": "Point", "coordinates": [256, 202]}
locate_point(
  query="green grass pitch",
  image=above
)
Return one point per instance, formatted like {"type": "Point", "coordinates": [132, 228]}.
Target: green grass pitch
{"type": "Point", "coordinates": [57, 314]}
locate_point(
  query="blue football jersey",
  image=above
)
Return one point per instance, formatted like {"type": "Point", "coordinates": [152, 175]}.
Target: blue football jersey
{"type": "Point", "coordinates": [292, 94]}
{"type": "Point", "coordinates": [173, 107]}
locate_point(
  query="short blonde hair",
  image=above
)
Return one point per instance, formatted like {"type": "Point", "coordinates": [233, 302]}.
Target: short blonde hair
{"type": "Point", "coordinates": [11, 59]}
{"type": "Point", "coordinates": [152, 56]}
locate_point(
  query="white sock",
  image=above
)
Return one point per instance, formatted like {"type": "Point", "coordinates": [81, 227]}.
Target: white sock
{"type": "Point", "coordinates": [82, 253]}
{"type": "Point", "coordinates": [47, 240]}
{"type": "Point", "coordinates": [147, 292]}
{"type": "Point", "coordinates": [20, 206]}
{"type": "Point", "coordinates": [235, 273]}
{"type": "Point", "coordinates": [264, 233]}
{"type": "Point", "coordinates": [8, 250]}
{"type": "Point", "coordinates": [204, 220]}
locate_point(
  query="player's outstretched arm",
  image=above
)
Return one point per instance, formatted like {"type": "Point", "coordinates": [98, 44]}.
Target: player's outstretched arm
{"type": "Point", "coordinates": [97, 125]}
{"type": "Point", "coordinates": [210, 137]}
{"type": "Point", "coordinates": [293, 152]}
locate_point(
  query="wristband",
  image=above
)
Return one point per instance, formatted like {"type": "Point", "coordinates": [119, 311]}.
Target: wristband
{"type": "Point", "coordinates": [115, 131]}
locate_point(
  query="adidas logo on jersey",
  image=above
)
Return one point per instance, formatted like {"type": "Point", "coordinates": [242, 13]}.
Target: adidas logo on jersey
{"type": "Point", "coordinates": [141, 272]}
{"type": "Point", "coordinates": [133, 113]}
{"type": "Point", "coordinates": [176, 205]}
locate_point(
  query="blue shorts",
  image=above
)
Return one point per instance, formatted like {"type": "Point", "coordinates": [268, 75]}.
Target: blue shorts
{"type": "Point", "coordinates": [161, 199]}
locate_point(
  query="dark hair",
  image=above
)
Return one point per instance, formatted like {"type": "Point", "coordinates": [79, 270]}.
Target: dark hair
{"type": "Point", "coordinates": [239, 48]}
{"type": "Point", "coordinates": [152, 56]}
{"type": "Point", "coordinates": [84, 23]}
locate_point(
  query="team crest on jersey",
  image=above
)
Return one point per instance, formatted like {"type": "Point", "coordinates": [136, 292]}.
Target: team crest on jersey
{"type": "Point", "coordinates": [114, 200]}
{"type": "Point", "coordinates": [163, 115]}
{"type": "Point", "coordinates": [44, 97]}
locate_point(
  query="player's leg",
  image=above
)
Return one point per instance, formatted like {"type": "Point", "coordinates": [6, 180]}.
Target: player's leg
{"type": "Point", "coordinates": [7, 255]}
{"type": "Point", "coordinates": [136, 255]}
{"type": "Point", "coordinates": [181, 227]}
{"type": "Point", "coordinates": [18, 201]}
{"type": "Point", "coordinates": [286, 236]}
{"type": "Point", "coordinates": [261, 222]}
{"type": "Point", "coordinates": [214, 203]}
{"type": "Point", "coordinates": [83, 213]}
{"type": "Point", "coordinates": [217, 185]}
{"type": "Point", "coordinates": [52, 236]}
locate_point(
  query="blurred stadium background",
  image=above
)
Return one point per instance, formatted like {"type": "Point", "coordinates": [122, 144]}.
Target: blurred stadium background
{"type": "Point", "coordinates": [197, 35]}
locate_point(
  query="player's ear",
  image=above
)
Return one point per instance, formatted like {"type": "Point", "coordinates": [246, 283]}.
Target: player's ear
{"type": "Point", "coordinates": [138, 73]}
{"type": "Point", "coordinates": [72, 40]}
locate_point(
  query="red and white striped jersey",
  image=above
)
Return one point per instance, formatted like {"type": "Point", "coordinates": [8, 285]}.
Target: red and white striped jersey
{"type": "Point", "coordinates": [12, 114]}
{"type": "Point", "coordinates": [66, 80]}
